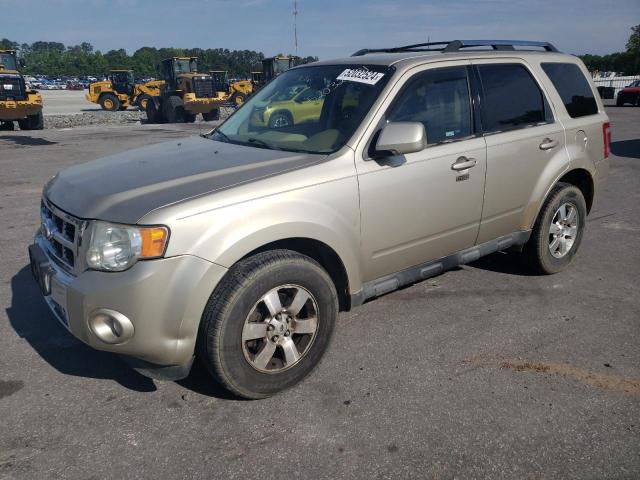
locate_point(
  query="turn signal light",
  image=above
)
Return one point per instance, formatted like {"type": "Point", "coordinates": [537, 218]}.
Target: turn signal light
{"type": "Point", "coordinates": [154, 240]}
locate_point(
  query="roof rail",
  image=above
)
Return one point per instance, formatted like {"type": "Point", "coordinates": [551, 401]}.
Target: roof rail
{"type": "Point", "coordinates": [456, 45]}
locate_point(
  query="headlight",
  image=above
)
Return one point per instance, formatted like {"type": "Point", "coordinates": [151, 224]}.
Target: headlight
{"type": "Point", "coordinates": [116, 247]}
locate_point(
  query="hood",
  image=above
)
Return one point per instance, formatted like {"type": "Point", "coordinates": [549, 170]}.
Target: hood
{"type": "Point", "coordinates": [123, 188]}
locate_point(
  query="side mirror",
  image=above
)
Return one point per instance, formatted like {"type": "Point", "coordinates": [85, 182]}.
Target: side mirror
{"type": "Point", "coordinates": [21, 62]}
{"type": "Point", "coordinates": [400, 138]}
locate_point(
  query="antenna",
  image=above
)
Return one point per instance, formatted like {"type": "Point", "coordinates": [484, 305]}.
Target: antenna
{"type": "Point", "coordinates": [295, 25]}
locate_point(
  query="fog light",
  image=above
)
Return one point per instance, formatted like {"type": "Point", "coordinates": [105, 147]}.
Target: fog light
{"type": "Point", "coordinates": [110, 326]}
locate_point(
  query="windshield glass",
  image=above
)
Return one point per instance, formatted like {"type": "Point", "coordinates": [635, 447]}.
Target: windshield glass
{"type": "Point", "coordinates": [122, 77]}
{"type": "Point", "coordinates": [9, 61]}
{"type": "Point", "coordinates": [313, 109]}
{"type": "Point", "coordinates": [185, 65]}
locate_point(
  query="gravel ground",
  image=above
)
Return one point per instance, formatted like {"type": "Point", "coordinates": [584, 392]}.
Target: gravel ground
{"type": "Point", "coordinates": [483, 372]}
{"type": "Point", "coordinates": [101, 117]}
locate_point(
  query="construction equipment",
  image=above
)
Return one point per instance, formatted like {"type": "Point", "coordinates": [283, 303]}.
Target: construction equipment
{"type": "Point", "coordinates": [120, 91]}
{"type": "Point", "coordinates": [234, 93]}
{"type": "Point", "coordinates": [184, 94]}
{"type": "Point", "coordinates": [274, 66]}
{"type": "Point", "coordinates": [18, 102]}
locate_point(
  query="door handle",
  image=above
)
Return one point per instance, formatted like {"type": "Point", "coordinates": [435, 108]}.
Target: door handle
{"type": "Point", "coordinates": [462, 163]}
{"type": "Point", "coordinates": [548, 144]}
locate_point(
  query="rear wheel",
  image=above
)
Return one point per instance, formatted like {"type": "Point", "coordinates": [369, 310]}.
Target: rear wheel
{"type": "Point", "coordinates": [558, 230]}
{"type": "Point", "coordinates": [109, 102]}
{"type": "Point", "coordinates": [32, 122]}
{"type": "Point", "coordinates": [268, 323]}
{"type": "Point", "coordinates": [173, 109]}
{"type": "Point", "coordinates": [238, 99]}
{"type": "Point", "coordinates": [189, 117]}
{"type": "Point", "coordinates": [142, 100]}
{"type": "Point", "coordinates": [6, 126]}
{"type": "Point", "coordinates": [212, 115]}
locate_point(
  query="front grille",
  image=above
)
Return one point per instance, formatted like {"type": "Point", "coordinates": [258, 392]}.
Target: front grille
{"type": "Point", "coordinates": [203, 87]}
{"type": "Point", "coordinates": [62, 235]}
{"type": "Point", "coordinates": [12, 87]}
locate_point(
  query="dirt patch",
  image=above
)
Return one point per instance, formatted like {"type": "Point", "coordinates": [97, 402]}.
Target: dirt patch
{"type": "Point", "coordinates": [604, 381]}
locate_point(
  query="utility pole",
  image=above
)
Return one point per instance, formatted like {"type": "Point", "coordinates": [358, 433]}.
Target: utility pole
{"type": "Point", "coordinates": [295, 24]}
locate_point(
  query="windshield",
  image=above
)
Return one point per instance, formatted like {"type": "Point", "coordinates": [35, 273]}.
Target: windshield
{"type": "Point", "coordinates": [185, 65]}
{"type": "Point", "coordinates": [122, 77]}
{"type": "Point", "coordinates": [313, 109]}
{"type": "Point", "coordinates": [9, 61]}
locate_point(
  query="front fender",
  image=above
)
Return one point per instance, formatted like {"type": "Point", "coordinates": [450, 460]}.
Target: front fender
{"type": "Point", "coordinates": [325, 212]}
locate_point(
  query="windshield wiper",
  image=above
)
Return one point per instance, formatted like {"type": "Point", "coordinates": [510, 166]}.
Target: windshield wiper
{"type": "Point", "coordinates": [257, 142]}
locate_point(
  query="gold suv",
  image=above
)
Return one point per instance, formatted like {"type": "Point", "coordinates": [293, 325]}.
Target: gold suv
{"type": "Point", "coordinates": [241, 246]}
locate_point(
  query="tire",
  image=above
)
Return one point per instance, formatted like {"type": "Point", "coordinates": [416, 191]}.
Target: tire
{"type": "Point", "coordinates": [538, 250]}
{"type": "Point", "coordinates": [241, 366]}
{"type": "Point", "coordinates": [280, 119]}
{"type": "Point", "coordinates": [154, 114]}
{"type": "Point", "coordinates": [32, 122]}
{"type": "Point", "coordinates": [173, 109]}
{"type": "Point", "coordinates": [142, 100]}
{"type": "Point", "coordinates": [7, 126]}
{"type": "Point", "coordinates": [212, 115]}
{"type": "Point", "coordinates": [619, 102]}
{"type": "Point", "coordinates": [109, 102]}
{"type": "Point", "coordinates": [189, 117]}
{"type": "Point", "coordinates": [238, 99]}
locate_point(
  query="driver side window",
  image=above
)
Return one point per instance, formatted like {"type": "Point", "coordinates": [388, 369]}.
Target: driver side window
{"type": "Point", "coordinates": [440, 100]}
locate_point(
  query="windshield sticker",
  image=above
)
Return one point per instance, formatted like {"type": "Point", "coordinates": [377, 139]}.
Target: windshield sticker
{"type": "Point", "coordinates": [360, 75]}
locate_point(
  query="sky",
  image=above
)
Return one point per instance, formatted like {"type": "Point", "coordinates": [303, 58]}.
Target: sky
{"type": "Point", "coordinates": [326, 28]}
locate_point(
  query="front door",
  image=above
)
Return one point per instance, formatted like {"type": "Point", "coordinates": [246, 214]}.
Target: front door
{"type": "Point", "coordinates": [423, 206]}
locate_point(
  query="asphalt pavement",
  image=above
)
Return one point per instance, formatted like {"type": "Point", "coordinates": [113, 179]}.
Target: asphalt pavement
{"type": "Point", "coordinates": [485, 371]}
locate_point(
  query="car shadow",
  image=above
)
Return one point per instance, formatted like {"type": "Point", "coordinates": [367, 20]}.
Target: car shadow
{"type": "Point", "coordinates": [510, 263]}
{"type": "Point", "coordinates": [32, 320]}
{"type": "Point", "coordinates": [626, 148]}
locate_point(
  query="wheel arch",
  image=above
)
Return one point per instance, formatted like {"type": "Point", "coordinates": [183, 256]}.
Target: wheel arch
{"type": "Point", "coordinates": [322, 253]}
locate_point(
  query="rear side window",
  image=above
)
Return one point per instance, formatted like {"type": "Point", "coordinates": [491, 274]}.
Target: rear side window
{"type": "Point", "coordinates": [573, 88]}
{"type": "Point", "coordinates": [512, 98]}
{"type": "Point", "coordinates": [439, 99]}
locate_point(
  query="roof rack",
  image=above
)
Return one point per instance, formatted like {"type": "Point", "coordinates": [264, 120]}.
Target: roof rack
{"type": "Point", "coordinates": [456, 45]}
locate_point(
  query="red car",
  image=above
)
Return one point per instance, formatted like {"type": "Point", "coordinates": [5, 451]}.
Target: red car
{"type": "Point", "coordinates": [74, 86]}
{"type": "Point", "coordinates": [629, 94]}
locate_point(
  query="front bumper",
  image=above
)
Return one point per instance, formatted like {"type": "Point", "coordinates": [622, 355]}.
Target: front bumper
{"type": "Point", "coordinates": [202, 105]}
{"type": "Point", "coordinates": [164, 300]}
{"type": "Point", "coordinates": [20, 109]}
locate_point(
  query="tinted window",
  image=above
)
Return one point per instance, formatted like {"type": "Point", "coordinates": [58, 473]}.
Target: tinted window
{"type": "Point", "coordinates": [439, 99]}
{"type": "Point", "coordinates": [512, 98]}
{"type": "Point", "coordinates": [573, 88]}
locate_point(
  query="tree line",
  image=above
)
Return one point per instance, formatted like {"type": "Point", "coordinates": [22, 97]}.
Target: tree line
{"type": "Point", "coordinates": [54, 58]}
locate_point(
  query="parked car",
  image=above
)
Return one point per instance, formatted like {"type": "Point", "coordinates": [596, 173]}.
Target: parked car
{"type": "Point", "coordinates": [241, 246]}
{"type": "Point", "coordinates": [74, 85]}
{"type": "Point", "coordinates": [629, 94]}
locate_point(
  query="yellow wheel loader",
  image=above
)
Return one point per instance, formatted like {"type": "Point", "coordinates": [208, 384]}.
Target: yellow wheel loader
{"type": "Point", "coordinates": [184, 94]}
{"type": "Point", "coordinates": [18, 102]}
{"type": "Point", "coordinates": [120, 91]}
{"type": "Point", "coordinates": [234, 93]}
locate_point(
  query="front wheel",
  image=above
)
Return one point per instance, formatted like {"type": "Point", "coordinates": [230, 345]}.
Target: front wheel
{"type": "Point", "coordinates": [32, 122]}
{"type": "Point", "coordinates": [268, 323]}
{"type": "Point", "coordinates": [211, 116]}
{"type": "Point", "coordinates": [558, 230]}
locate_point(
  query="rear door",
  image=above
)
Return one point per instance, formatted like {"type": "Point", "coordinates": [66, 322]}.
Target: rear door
{"type": "Point", "coordinates": [522, 137]}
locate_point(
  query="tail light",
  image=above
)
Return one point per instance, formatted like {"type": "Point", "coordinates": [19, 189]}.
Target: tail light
{"type": "Point", "coordinates": [606, 136]}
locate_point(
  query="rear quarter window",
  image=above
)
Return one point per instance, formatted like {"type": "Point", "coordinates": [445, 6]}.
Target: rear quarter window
{"type": "Point", "coordinates": [573, 88]}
